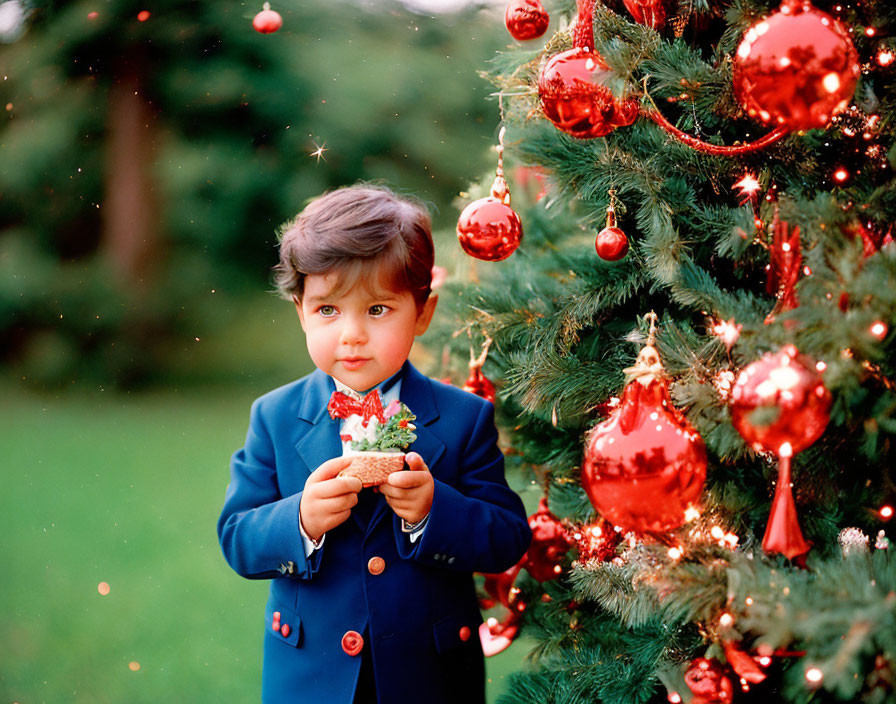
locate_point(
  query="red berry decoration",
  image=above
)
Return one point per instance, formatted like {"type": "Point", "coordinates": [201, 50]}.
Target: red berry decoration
{"type": "Point", "coordinates": [488, 228]}
{"type": "Point", "coordinates": [646, 464]}
{"type": "Point", "coordinates": [796, 68]}
{"type": "Point", "coordinates": [268, 20]}
{"type": "Point", "coordinates": [526, 19]}
{"type": "Point", "coordinates": [779, 404]}
{"type": "Point", "coordinates": [651, 13]}
{"type": "Point", "coordinates": [611, 243]}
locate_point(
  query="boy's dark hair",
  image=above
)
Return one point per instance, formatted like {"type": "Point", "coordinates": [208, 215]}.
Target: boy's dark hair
{"type": "Point", "coordinates": [360, 232]}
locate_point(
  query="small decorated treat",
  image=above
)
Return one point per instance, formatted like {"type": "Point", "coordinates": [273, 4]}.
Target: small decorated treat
{"type": "Point", "coordinates": [378, 435]}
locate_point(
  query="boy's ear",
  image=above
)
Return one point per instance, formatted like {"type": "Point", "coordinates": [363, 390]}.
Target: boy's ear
{"type": "Point", "coordinates": [424, 317]}
{"type": "Point", "coordinates": [298, 303]}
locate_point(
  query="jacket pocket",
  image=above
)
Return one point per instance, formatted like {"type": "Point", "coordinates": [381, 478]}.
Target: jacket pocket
{"type": "Point", "coordinates": [283, 623]}
{"type": "Point", "coordinates": [454, 630]}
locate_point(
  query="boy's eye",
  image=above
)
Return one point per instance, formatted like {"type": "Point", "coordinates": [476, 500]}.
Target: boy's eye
{"type": "Point", "coordinates": [327, 311]}
{"type": "Point", "coordinates": [378, 310]}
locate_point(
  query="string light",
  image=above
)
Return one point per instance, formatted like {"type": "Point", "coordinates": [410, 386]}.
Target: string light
{"type": "Point", "coordinates": [814, 675]}
{"type": "Point", "coordinates": [765, 661]}
{"type": "Point", "coordinates": [878, 330]}
{"type": "Point", "coordinates": [886, 512]}
{"type": "Point", "coordinates": [691, 514]}
{"type": "Point", "coordinates": [841, 174]}
{"type": "Point", "coordinates": [726, 620]}
{"type": "Point", "coordinates": [885, 58]}
{"type": "Point", "coordinates": [675, 553]}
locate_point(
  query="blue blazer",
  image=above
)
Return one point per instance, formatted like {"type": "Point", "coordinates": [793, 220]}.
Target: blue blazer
{"type": "Point", "coordinates": [415, 608]}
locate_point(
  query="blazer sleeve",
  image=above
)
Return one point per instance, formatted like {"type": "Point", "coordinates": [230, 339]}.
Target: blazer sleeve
{"type": "Point", "coordinates": [258, 529]}
{"type": "Point", "coordinates": [479, 524]}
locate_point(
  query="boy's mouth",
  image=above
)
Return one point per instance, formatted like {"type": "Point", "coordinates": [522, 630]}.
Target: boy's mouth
{"type": "Point", "coordinates": [352, 363]}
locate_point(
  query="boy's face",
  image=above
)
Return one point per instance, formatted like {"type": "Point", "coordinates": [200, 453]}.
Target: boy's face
{"type": "Point", "coordinates": [363, 336]}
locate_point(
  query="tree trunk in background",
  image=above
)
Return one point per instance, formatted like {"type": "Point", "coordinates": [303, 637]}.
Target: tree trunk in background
{"type": "Point", "coordinates": [130, 207]}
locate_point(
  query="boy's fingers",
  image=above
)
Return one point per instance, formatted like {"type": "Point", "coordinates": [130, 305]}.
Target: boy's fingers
{"type": "Point", "coordinates": [415, 462]}
{"type": "Point", "coordinates": [329, 469]}
{"type": "Point", "coordinates": [338, 486]}
{"type": "Point", "coordinates": [409, 479]}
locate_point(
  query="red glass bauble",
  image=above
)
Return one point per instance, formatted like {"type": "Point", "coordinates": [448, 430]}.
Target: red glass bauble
{"type": "Point", "coordinates": [611, 244]}
{"type": "Point", "coordinates": [550, 543]}
{"type": "Point", "coordinates": [479, 384]}
{"type": "Point", "coordinates": [267, 21]}
{"type": "Point", "coordinates": [708, 683]}
{"type": "Point", "coordinates": [779, 403]}
{"type": "Point", "coordinates": [647, 12]}
{"type": "Point", "coordinates": [796, 68]}
{"type": "Point", "coordinates": [489, 230]}
{"type": "Point", "coordinates": [575, 99]}
{"type": "Point", "coordinates": [526, 19]}
{"type": "Point", "coordinates": [646, 463]}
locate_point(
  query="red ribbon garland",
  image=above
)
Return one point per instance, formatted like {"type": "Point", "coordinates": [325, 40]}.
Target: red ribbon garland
{"type": "Point", "coordinates": [342, 406]}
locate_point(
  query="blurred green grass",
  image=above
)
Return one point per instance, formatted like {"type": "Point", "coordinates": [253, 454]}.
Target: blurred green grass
{"type": "Point", "coordinates": [126, 489]}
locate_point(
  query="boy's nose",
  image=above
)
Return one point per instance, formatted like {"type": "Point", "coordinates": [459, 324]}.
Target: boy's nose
{"type": "Point", "coordinates": [353, 333]}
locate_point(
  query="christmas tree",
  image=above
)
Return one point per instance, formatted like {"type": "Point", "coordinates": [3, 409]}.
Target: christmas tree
{"type": "Point", "coordinates": [708, 398]}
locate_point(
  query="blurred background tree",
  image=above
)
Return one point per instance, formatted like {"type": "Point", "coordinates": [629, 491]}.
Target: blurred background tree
{"type": "Point", "coordinates": [149, 153]}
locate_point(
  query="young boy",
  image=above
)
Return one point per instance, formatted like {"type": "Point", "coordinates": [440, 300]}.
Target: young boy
{"type": "Point", "coordinates": [372, 597]}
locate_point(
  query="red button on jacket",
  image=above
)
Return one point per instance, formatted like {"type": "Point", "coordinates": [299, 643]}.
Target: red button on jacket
{"type": "Point", "coordinates": [352, 642]}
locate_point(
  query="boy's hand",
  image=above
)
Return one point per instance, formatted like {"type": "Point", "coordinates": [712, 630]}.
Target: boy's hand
{"type": "Point", "coordinates": [327, 500]}
{"type": "Point", "coordinates": [409, 493]}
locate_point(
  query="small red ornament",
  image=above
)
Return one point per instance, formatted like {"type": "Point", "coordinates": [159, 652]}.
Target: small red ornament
{"type": "Point", "coordinates": [779, 404]}
{"type": "Point", "coordinates": [707, 681]}
{"type": "Point", "coordinates": [550, 543]}
{"type": "Point", "coordinates": [647, 12]}
{"type": "Point", "coordinates": [488, 228]}
{"type": "Point", "coordinates": [499, 586]}
{"type": "Point", "coordinates": [526, 19]}
{"type": "Point", "coordinates": [611, 243]}
{"type": "Point", "coordinates": [572, 87]}
{"type": "Point", "coordinates": [268, 20]}
{"type": "Point", "coordinates": [575, 98]}
{"type": "Point", "coordinates": [646, 463]}
{"type": "Point", "coordinates": [796, 68]}
{"type": "Point", "coordinates": [479, 384]}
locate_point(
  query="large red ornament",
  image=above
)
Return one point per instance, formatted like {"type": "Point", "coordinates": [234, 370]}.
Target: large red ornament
{"type": "Point", "coordinates": [526, 19]}
{"type": "Point", "coordinates": [268, 20]}
{"type": "Point", "coordinates": [796, 68]}
{"type": "Point", "coordinates": [779, 404]}
{"type": "Point", "coordinates": [550, 543]}
{"type": "Point", "coordinates": [575, 98]}
{"type": "Point", "coordinates": [708, 683]}
{"type": "Point", "coordinates": [647, 12]}
{"type": "Point", "coordinates": [646, 463]}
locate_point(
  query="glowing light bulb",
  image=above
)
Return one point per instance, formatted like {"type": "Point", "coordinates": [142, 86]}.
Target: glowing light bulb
{"type": "Point", "coordinates": [726, 620]}
{"type": "Point", "coordinates": [675, 553]}
{"type": "Point", "coordinates": [878, 330]}
{"type": "Point", "coordinates": [886, 512]}
{"type": "Point", "coordinates": [841, 174]}
{"type": "Point", "coordinates": [814, 675]}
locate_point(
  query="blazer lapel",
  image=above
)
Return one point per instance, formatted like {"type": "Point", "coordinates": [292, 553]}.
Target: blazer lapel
{"type": "Point", "coordinates": [416, 394]}
{"type": "Point", "coordinates": [320, 442]}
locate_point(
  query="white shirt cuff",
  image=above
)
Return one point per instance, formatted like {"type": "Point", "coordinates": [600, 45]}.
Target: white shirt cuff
{"type": "Point", "coordinates": [414, 530]}
{"type": "Point", "coordinates": [310, 545]}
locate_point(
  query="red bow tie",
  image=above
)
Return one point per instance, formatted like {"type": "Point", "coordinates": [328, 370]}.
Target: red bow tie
{"type": "Point", "coordinates": [342, 406]}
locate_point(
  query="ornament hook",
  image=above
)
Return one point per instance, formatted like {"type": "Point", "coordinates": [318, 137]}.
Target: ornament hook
{"type": "Point", "coordinates": [500, 189]}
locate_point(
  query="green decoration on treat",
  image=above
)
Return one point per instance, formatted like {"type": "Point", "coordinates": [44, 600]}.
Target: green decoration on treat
{"type": "Point", "coordinates": [392, 436]}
